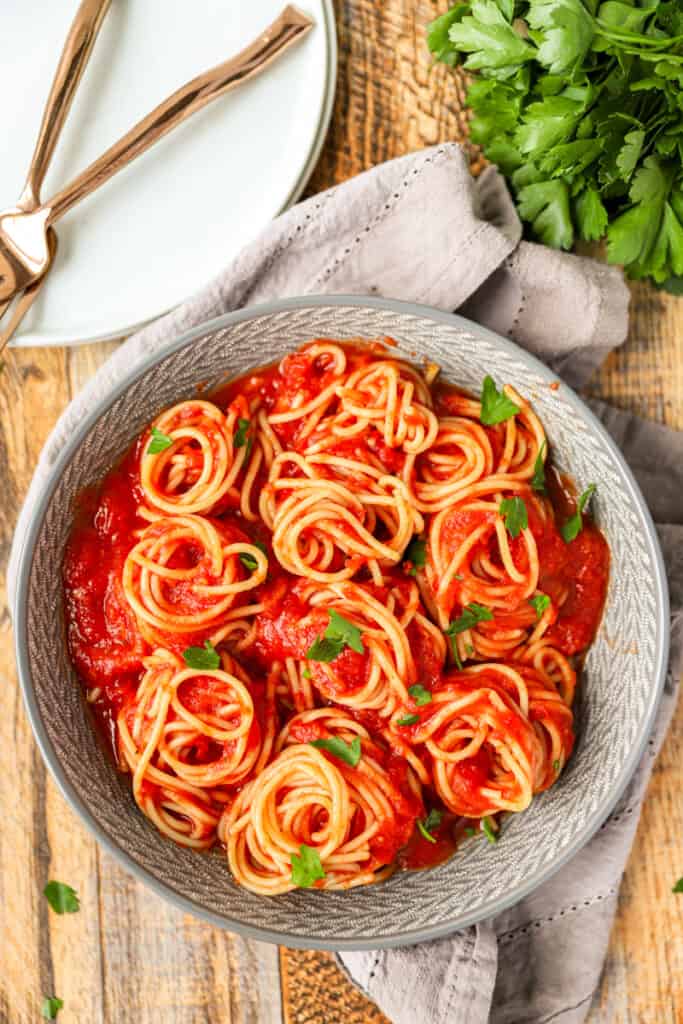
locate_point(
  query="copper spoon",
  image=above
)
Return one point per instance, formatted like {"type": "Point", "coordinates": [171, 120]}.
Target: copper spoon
{"type": "Point", "coordinates": [24, 236]}
{"type": "Point", "coordinates": [72, 63]}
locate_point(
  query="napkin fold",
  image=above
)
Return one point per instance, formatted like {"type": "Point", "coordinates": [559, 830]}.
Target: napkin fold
{"type": "Point", "coordinates": [420, 228]}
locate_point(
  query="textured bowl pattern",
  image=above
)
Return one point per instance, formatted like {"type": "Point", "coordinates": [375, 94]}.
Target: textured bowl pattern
{"type": "Point", "coordinates": [620, 683]}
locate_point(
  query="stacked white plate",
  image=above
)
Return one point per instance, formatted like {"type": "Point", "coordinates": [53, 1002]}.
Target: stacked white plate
{"type": "Point", "coordinates": [171, 221]}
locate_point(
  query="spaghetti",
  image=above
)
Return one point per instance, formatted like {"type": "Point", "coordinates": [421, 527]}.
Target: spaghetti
{"type": "Point", "coordinates": [334, 614]}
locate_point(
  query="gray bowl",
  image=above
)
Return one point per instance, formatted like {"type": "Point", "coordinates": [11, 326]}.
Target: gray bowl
{"type": "Point", "coordinates": [620, 689]}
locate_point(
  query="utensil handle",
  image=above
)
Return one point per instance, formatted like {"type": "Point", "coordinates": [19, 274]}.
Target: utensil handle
{"type": "Point", "coordinates": [72, 64]}
{"type": "Point", "coordinates": [291, 25]}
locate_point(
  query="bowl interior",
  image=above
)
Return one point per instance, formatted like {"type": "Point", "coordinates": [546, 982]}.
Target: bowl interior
{"type": "Point", "coordinates": [619, 690]}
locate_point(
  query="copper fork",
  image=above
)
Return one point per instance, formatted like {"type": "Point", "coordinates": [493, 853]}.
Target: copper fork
{"type": "Point", "coordinates": [72, 64]}
{"type": "Point", "coordinates": [25, 248]}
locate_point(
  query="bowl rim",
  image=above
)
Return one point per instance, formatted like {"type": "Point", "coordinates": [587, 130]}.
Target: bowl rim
{"type": "Point", "coordinates": [20, 616]}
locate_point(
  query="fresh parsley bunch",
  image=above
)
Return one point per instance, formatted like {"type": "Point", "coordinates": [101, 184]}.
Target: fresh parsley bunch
{"type": "Point", "coordinates": [580, 104]}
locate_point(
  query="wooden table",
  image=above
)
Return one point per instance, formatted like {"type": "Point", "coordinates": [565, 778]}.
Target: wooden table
{"type": "Point", "coordinates": [127, 957]}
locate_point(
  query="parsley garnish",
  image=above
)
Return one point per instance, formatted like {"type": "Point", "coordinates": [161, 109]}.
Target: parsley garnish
{"type": "Point", "coordinates": [539, 602]}
{"type": "Point", "coordinates": [432, 821]}
{"type": "Point", "coordinates": [348, 752]}
{"type": "Point", "coordinates": [469, 831]}
{"type": "Point", "coordinates": [538, 479]}
{"type": "Point", "coordinates": [471, 615]}
{"type": "Point", "coordinates": [159, 442]}
{"type": "Point", "coordinates": [408, 720]}
{"type": "Point", "coordinates": [416, 554]}
{"type": "Point", "coordinates": [248, 561]}
{"type": "Point", "coordinates": [495, 405]}
{"type": "Point", "coordinates": [578, 103]}
{"type": "Point", "coordinates": [419, 694]}
{"type": "Point", "coordinates": [62, 898]}
{"type": "Point", "coordinates": [202, 658]}
{"type": "Point", "coordinates": [243, 436]}
{"type": "Point", "coordinates": [678, 887]}
{"type": "Point", "coordinates": [572, 528]}
{"type": "Point", "coordinates": [51, 1007]}
{"type": "Point", "coordinates": [306, 673]}
{"type": "Point", "coordinates": [339, 634]}
{"type": "Point", "coordinates": [306, 867]}
{"type": "Point", "coordinates": [513, 511]}
{"type": "Point", "coordinates": [489, 830]}
{"type": "Point", "coordinates": [556, 767]}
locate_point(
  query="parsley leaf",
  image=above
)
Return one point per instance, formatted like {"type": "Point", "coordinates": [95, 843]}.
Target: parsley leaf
{"type": "Point", "coordinates": [438, 39]}
{"type": "Point", "coordinates": [471, 615]}
{"type": "Point", "coordinates": [538, 479]}
{"type": "Point", "coordinates": [539, 602]}
{"type": "Point", "coordinates": [496, 407]}
{"type": "Point", "coordinates": [545, 204]}
{"type": "Point", "coordinates": [241, 434]}
{"type": "Point", "coordinates": [489, 830]}
{"type": "Point", "coordinates": [432, 821]}
{"type": "Point", "coordinates": [204, 658]}
{"type": "Point", "coordinates": [306, 867]}
{"type": "Point", "coordinates": [61, 897]}
{"type": "Point", "coordinates": [489, 38]}
{"type": "Point", "coordinates": [51, 1007]}
{"type": "Point", "coordinates": [556, 767]}
{"type": "Point", "coordinates": [572, 528]}
{"type": "Point", "coordinates": [347, 752]}
{"type": "Point", "coordinates": [339, 634]}
{"type": "Point", "coordinates": [678, 887]}
{"type": "Point", "coordinates": [416, 553]}
{"type": "Point", "coordinates": [565, 31]}
{"type": "Point", "coordinates": [419, 694]}
{"type": "Point", "coordinates": [159, 442]}
{"type": "Point", "coordinates": [306, 673]}
{"type": "Point", "coordinates": [469, 831]}
{"type": "Point", "coordinates": [514, 512]}
{"type": "Point", "coordinates": [591, 215]}
{"type": "Point", "coordinates": [248, 561]}
{"type": "Point", "coordinates": [579, 104]}
{"type": "Point", "coordinates": [408, 720]}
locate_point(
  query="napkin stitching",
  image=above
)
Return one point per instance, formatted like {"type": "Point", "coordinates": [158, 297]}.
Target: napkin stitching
{"type": "Point", "coordinates": [381, 216]}
{"type": "Point", "coordinates": [458, 257]}
{"type": "Point", "coordinates": [538, 922]}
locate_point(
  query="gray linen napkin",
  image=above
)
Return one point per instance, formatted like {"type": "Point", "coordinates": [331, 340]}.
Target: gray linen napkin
{"type": "Point", "coordinates": [420, 228]}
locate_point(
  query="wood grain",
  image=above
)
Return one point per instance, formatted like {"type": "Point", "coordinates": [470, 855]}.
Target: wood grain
{"type": "Point", "coordinates": [127, 957]}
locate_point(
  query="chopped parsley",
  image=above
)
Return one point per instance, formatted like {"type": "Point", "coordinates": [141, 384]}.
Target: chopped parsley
{"type": "Point", "coordinates": [339, 634]}
{"type": "Point", "coordinates": [513, 511]}
{"type": "Point", "coordinates": [678, 887]}
{"type": "Point", "coordinates": [556, 767]}
{"type": "Point", "coordinates": [488, 830]}
{"type": "Point", "coordinates": [51, 1007]}
{"type": "Point", "coordinates": [572, 528]}
{"type": "Point", "coordinates": [539, 602]}
{"type": "Point", "coordinates": [431, 822]}
{"type": "Point", "coordinates": [61, 897]}
{"type": "Point", "coordinates": [159, 442]}
{"type": "Point", "coordinates": [306, 867]}
{"type": "Point", "coordinates": [408, 720]}
{"type": "Point", "coordinates": [495, 405]}
{"type": "Point", "coordinates": [248, 561]}
{"type": "Point", "coordinates": [538, 479]}
{"type": "Point", "coordinates": [416, 555]}
{"type": "Point", "coordinates": [204, 658]}
{"type": "Point", "coordinates": [347, 752]}
{"type": "Point", "coordinates": [420, 695]}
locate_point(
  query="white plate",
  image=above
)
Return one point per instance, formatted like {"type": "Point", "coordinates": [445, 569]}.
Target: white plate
{"type": "Point", "coordinates": [171, 221]}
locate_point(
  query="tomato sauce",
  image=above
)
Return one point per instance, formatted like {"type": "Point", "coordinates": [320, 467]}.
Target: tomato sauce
{"type": "Point", "coordinates": [107, 648]}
